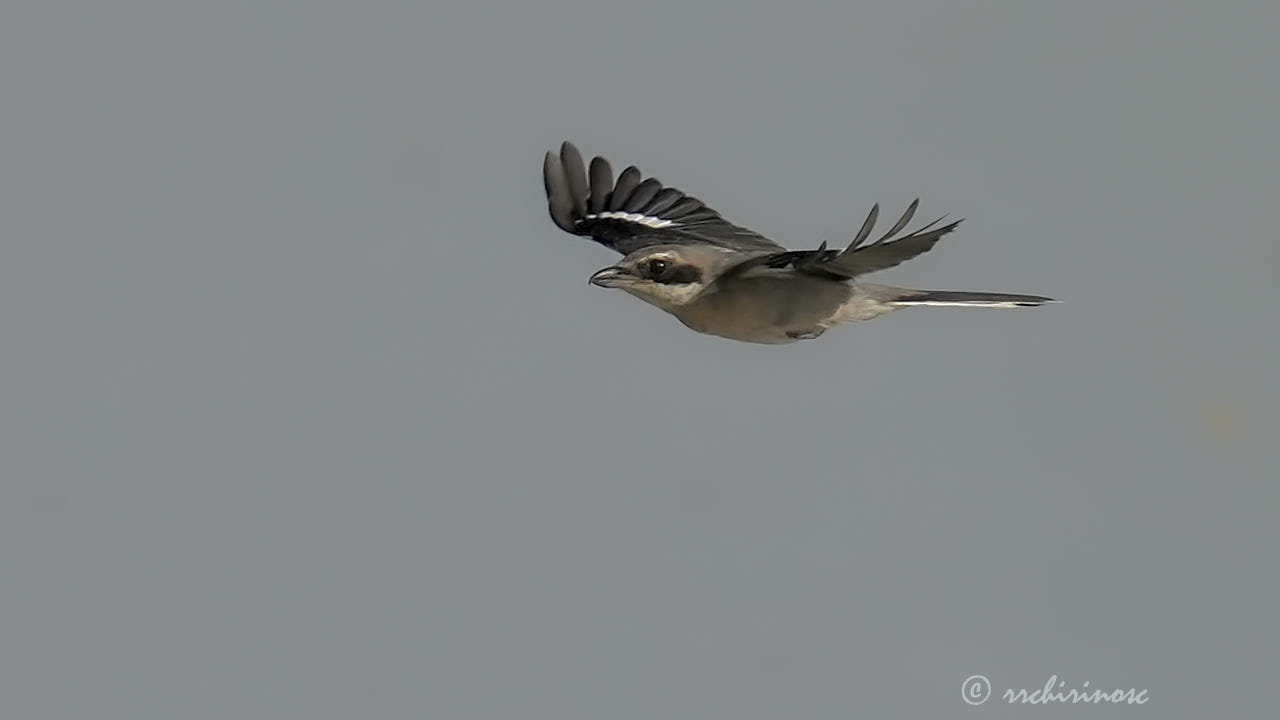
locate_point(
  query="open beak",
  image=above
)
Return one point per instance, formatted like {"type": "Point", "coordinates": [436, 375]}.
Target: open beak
{"type": "Point", "coordinates": [612, 277]}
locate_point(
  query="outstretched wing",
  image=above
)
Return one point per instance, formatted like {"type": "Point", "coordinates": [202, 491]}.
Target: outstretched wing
{"type": "Point", "coordinates": [633, 212]}
{"type": "Point", "coordinates": [860, 257]}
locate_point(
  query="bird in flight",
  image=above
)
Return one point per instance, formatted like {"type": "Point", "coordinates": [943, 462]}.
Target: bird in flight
{"type": "Point", "coordinates": [722, 279]}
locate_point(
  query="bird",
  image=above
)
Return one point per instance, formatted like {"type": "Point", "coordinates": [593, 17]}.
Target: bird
{"type": "Point", "coordinates": [725, 280]}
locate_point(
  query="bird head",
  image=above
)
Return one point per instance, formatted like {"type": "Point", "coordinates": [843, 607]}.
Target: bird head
{"type": "Point", "coordinates": [668, 276]}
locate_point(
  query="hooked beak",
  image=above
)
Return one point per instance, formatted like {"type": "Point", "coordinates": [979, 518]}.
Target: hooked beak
{"type": "Point", "coordinates": [609, 277]}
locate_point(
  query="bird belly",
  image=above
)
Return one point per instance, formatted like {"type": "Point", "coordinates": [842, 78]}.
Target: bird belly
{"type": "Point", "coordinates": [765, 310]}
{"type": "Point", "coordinates": [740, 329]}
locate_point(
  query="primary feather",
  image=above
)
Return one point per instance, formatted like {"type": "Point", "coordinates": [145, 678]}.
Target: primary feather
{"type": "Point", "coordinates": [634, 212]}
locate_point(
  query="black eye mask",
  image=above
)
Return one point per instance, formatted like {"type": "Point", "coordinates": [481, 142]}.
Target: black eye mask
{"type": "Point", "coordinates": [680, 274]}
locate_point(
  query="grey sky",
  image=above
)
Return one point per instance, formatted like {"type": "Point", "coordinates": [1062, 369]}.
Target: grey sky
{"type": "Point", "coordinates": [308, 410]}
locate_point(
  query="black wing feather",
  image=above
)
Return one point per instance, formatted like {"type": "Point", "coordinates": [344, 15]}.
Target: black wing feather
{"type": "Point", "coordinates": [627, 183]}
{"type": "Point", "coordinates": [576, 175]}
{"type": "Point", "coordinates": [559, 199]}
{"type": "Point", "coordinates": [664, 201]}
{"type": "Point", "coordinates": [858, 258]}
{"type": "Point", "coordinates": [644, 194]}
{"type": "Point", "coordinates": [683, 207]}
{"type": "Point", "coordinates": [634, 212]}
{"type": "Point", "coordinates": [601, 185]}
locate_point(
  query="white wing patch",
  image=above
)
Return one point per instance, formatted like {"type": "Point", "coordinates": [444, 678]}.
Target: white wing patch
{"type": "Point", "coordinates": [645, 220]}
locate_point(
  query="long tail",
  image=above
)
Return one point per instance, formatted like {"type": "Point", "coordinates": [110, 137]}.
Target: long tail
{"type": "Point", "coordinates": [954, 298]}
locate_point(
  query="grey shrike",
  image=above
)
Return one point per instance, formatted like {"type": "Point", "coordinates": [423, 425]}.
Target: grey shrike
{"type": "Point", "coordinates": [722, 279]}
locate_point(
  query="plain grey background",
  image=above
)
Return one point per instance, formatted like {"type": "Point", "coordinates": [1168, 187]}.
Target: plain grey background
{"type": "Point", "coordinates": [308, 410]}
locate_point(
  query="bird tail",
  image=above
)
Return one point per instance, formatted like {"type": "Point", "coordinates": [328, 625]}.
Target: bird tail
{"type": "Point", "coordinates": [955, 298]}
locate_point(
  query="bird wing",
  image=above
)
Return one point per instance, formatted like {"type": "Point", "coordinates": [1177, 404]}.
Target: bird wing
{"type": "Point", "coordinates": [634, 212]}
{"type": "Point", "coordinates": [860, 257]}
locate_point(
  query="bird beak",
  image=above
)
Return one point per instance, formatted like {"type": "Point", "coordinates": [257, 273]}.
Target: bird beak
{"type": "Point", "coordinates": [612, 277]}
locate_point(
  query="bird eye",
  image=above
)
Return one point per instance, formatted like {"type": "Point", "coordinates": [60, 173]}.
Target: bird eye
{"type": "Point", "coordinates": [657, 267]}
